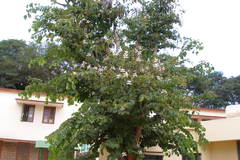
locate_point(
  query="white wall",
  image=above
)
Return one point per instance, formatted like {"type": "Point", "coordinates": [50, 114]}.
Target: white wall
{"type": "Point", "coordinates": [11, 126]}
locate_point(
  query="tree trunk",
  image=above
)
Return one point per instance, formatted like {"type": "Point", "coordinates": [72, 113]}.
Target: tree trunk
{"type": "Point", "coordinates": [131, 157]}
{"type": "Point", "coordinates": [138, 133]}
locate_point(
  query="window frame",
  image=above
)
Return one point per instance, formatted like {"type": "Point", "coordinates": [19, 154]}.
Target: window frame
{"type": "Point", "coordinates": [51, 108]}
{"type": "Point", "coordinates": [30, 106]}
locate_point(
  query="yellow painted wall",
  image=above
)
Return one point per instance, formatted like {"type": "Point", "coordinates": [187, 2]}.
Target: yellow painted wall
{"type": "Point", "coordinates": [226, 150]}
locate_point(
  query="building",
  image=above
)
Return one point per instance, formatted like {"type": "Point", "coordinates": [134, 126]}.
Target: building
{"type": "Point", "coordinates": [25, 123]}
{"type": "Point", "coordinates": [222, 132]}
{"type": "Point", "coordinates": [224, 136]}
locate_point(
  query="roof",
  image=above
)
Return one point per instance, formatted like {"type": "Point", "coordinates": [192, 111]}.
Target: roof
{"type": "Point", "coordinates": [42, 144]}
{"type": "Point", "coordinates": [10, 90]}
{"type": "Point", "coordinates": [29, 101]}
{"type": "Point", "coordinates": [15, 91]}
{"type": "Point", "coordinates": [16, 140]}
{"type": "Point", "coordinates": [209, 109]}
{"type": "Point", "coordinates": [45, 144]}
{"type": "Point", "coordinates": [39, 102]}
{"type": "Point", "coordinates": [222, 129]}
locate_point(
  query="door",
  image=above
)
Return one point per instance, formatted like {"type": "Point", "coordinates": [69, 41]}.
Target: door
{"type": "Point", "coordinates": [43, 154]}
{"type": "Point", "coordinates": [1, 149]}
{"type": "Point", "coordinates": [23, 151]}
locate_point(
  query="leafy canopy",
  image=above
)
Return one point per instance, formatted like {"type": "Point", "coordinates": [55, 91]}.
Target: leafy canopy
{"type": "Point", "coordinates": [225, 90]}
{"type": "Point", "coordinates": [125, 62]}
{"type": "Point", "coordinates": [15, 56]}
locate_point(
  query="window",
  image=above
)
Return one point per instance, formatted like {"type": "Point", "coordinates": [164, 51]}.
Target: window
{"type": "Point", "coordinates": [28, 113]}
{"type": "Point", "coordinates": [49, 115]}
{"type": "Point", "coordinates": [197, 156]}
{"type": "Point", "coordinates": [153, 157]}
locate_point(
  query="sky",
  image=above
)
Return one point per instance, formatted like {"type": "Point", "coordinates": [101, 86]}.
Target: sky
{"type": "Point", "coordinates": [215, 23]}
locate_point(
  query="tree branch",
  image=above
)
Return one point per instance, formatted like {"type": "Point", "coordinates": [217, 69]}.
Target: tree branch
{"type": "Point", "coordinates": [64, 5]}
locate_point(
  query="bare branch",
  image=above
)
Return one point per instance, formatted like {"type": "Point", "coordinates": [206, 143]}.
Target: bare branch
{"type": "Point", "coordinates": [61, 4]}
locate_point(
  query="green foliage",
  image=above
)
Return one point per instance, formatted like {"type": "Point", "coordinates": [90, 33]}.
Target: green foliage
{"type": "Point", "coordinates": [225, 91]}
{"type": "Point", "coordinates": [116, 60]}
{"type": "Point", "coordinates": [231, 87]}
{"type": "Point", "coordinates": [15, 56]}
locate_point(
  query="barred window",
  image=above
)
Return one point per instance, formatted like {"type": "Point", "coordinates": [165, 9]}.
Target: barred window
{"type": "Point", "coordinates": [49, 115]}
{"type": "Point", "coordinates": [28, 113]}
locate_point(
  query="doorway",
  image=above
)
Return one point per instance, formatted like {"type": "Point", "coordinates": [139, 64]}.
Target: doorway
{"type": "Point", "coordinates": [22, 151]}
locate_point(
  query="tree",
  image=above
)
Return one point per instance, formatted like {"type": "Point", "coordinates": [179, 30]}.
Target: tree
{"type": "Point", "coordinates": [117, 63]}
{"type": "Point", "coordinates": [229, 92]}
{"type": "Point", "coordinates": [213, 85]}
{"type": "Point", "coordinates": [15, 56]}
{"type": "Point", "coordinates": [224, 91]}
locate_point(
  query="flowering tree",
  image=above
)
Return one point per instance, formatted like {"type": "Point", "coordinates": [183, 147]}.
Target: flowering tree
{"type": "Point", "coordinates": [116, 59]}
